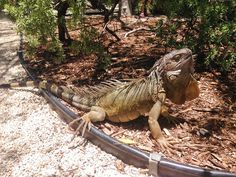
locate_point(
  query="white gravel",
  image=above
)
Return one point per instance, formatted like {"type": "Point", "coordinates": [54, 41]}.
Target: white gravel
{"type": "Point", "coordinates": [33, 139]}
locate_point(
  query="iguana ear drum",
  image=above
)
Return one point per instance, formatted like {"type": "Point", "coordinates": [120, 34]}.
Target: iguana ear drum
{"type": "Point", "coordinates": [192, 90]}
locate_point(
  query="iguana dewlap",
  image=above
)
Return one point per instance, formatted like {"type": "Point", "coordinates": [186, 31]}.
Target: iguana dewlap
{"type": "Point", "coordinates": [170, 77]}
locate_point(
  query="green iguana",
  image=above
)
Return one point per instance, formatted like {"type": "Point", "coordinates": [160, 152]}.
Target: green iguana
{"type": "Point", "coordinates": [170, 77]}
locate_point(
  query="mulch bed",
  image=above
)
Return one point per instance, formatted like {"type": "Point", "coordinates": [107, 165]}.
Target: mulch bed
{"type": "Point", "coordinates": [205, 128]}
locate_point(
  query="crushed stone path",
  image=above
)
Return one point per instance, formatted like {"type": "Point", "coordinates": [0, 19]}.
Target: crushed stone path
{"type": "Point", "coordinates": [33, 139]}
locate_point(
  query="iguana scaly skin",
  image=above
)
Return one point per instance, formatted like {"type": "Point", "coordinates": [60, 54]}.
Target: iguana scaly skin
{"type": "Point", "coordinates": [170, 77]}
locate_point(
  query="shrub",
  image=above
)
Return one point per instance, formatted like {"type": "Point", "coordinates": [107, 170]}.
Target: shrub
{"type": "Point", "coordinates": [207, 27]}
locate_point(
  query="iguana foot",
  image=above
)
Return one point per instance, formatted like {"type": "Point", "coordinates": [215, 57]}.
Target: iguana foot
{"type": "Point", "coordinates": [164, 143]}
{"type": "Point", "coordinates": [167, 144]}
{"type": "Point", "coordinates": [84, 122]}
{"type": "Point", "coordinates": [94, 115]}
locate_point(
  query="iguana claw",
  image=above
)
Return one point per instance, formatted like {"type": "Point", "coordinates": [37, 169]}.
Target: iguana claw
{"type": "Point", "coordinates": [168, 144]}
{"type": "Point", "coordinates": [164, 143]}
{"type": "Point", "coordinates": [82, 122]}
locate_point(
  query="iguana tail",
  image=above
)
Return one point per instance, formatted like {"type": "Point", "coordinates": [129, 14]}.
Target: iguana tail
{"type": "Point", "coordinates": [20, 84]}
{"type": "Point", "coordinates": [59, 91]}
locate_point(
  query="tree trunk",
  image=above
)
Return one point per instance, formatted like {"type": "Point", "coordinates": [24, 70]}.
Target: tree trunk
{"type": "Point", "coordinates": [96, 4]}
{"type": "Point", "coordinates": [61, 21]}
{"type": "Point", "coordinates": [125, 8]}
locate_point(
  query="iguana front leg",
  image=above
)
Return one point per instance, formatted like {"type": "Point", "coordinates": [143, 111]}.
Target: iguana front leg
{"type": "Point", "coordinates": [96, 114]}
{"type": "Point", "coordinates": [154, 125]}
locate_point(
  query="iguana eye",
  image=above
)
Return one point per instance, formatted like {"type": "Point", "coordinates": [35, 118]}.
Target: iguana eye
{"type": "Point", "coordinates": [177, 57]}
{"type": "Point", "coordinates": [172, 77]}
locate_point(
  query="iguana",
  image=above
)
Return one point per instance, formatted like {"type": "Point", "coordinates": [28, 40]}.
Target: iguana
{"type": "Point", "coordinates": [170, 77]}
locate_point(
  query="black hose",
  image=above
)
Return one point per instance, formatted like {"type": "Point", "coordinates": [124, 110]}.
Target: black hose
{"type": "Point", "coordinates": [157, 165]}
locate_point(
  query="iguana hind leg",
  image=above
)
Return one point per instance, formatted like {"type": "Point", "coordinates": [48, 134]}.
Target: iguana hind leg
{"type": "Point", "coordinates": [96, 114]}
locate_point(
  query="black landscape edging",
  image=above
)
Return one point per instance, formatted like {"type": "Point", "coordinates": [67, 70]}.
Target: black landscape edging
{"type": "Point", "coordinates": [157, 165]}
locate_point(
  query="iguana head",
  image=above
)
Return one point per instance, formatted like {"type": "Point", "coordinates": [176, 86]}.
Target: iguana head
{"type": "Point", "coordinates": [176, 69]}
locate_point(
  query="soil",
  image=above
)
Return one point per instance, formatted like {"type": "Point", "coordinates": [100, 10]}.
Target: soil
{"type": "Point", "coordinates": [204, 128]}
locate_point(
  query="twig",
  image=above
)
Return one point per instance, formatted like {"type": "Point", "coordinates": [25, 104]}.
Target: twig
{"type": "Point", "coordinates": [118, 133]}
{"type": "Point", "coordinates": [199, 147]}
{"type": "Point", "coordinates": [138, 29]}
{"type": "Point", "coordinates": [204, 109]}
{"type": "Point", "coordinates": [104, 28]}
{"type": "Point", "coordinates": [217, 164]}
{"type": "Point", "coordinates": [112, 33]}
{"type": "Point", "coordinates": [211, 165]}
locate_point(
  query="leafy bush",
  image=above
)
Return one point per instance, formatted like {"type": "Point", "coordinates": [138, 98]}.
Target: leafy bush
{"type": "Point", "coordinates": [41, 20]}
{"type": "Point", "coordinates": [2, 3]}
{"type": "Point", "coordinates": [207, 27]}
{"type": "Point", "coordinates": [88, 43]}
{"type": "Point", "coordinates": [37, 20]}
